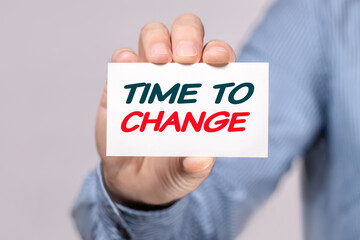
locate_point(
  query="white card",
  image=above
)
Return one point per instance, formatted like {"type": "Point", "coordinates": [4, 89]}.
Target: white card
{"type": "Point", "coordinates": [187, 110]}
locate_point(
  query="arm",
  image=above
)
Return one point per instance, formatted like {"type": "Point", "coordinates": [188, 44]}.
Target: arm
{"type": "Point", "coordinates": [95, 215]}
{"type": "Point", "coordinates": [220, 206]}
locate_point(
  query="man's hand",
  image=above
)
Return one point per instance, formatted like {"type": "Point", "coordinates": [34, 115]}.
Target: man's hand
{"type": "Point", "coordinates": [142, 181]}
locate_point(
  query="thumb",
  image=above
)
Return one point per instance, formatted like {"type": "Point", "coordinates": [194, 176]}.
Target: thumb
{"type": "Point", "coordinates": [194, 170]}
{"type": "Point", "coordinates": [198, 165]}
{"type": "Point", "coordinates": [185, 176]}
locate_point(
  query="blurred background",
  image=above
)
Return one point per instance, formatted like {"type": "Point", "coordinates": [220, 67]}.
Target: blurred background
{"type": "Point", "coordinates": [53, 57]}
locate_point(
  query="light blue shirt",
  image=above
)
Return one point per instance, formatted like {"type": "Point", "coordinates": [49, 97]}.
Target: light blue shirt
{"type": "Point", "coordinates": [313, 47]}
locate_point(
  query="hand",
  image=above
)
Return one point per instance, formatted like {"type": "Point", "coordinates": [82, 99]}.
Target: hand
{"type": "Point", "coordinates": [141, 182]}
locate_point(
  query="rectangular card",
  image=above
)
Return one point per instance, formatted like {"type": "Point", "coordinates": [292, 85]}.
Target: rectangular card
{"type": "Point", "coordinates": [187, 110]}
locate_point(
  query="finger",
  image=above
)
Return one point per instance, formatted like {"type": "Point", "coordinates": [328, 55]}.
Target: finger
{"type": "Point", "coordinates": [184, 175]}
{"type": "Point", "coordinates": [195, 165]}
{"type": "Point", "coordinates": [189, 174]}
{"type": "Point", "coordinates": [187, 35]}
{"type": "Point", "coordinates": [154, 43]}
{"type": "Point", "coordinates": [218, 53]}
{"type": "Point", "coordinates": [120, 55]}
{"type": "Point", "coordinates": [124, 55]}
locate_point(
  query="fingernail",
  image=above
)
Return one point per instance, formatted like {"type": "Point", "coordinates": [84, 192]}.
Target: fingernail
{"type": "Point", "coordinates": [186, 49]}
{"type": "Point", "coordinates": [159, 49]}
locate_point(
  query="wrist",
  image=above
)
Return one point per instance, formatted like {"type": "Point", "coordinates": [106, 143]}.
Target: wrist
{"type": "Point", "coordinates": [137, 205]}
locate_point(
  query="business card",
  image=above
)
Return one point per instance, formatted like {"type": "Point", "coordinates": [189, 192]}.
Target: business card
{"type": "Point", "coordinates": [187, 110]}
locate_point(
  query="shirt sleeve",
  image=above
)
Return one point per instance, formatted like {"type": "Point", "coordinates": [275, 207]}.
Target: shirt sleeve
{"type": "Point", "coordinates": [290, 40]}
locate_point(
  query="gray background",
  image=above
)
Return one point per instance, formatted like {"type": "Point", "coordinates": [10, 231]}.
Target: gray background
{"type": "Point", "coordinates": [53, 57]}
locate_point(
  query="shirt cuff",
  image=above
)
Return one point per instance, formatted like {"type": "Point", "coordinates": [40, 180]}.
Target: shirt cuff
{"type": "Point", "coordinates": [134, 223]}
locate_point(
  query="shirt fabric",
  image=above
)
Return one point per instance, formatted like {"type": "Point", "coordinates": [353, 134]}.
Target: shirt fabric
{"type": "Point", "coordinates": [313, 47]}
